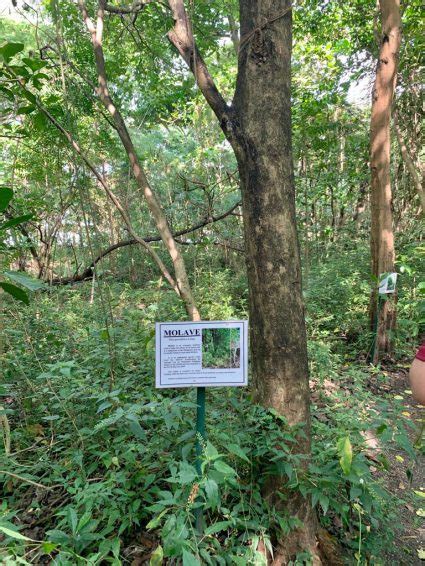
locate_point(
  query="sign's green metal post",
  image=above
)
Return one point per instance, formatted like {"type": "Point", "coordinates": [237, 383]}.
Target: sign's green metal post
{"type": "Point", "coordinates": [200, 437]}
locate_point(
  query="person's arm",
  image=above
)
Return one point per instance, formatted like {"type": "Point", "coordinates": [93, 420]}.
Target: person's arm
{"type": "Point", "coordinates": [417, 376]}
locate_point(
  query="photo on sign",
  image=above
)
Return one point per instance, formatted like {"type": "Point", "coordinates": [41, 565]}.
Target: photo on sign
{"type": "Point", "coordinates": [221, 348]}
{"type": "Point", "coordinates": [387, 283]}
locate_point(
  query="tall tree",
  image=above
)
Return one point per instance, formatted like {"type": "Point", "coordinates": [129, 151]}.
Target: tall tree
{"type": "Point", "coordinates": [258, 126]}
{"type": "Point", "coordinates": [382, 235]}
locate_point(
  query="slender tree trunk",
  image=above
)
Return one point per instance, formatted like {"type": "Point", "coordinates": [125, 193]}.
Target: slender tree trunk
{"type": "Point", "coordinates": [341, 175]}
{"type": "Point", "coordinates": [360, 205]}
{"type": "Point", "coordinates": [333, 213]}
{"type": "Point", "coordinates": [420, 189]}
{"type": "Point", "coordinates": [234, 34]}
{"type": "Point", "coordinates": [182, 280]}
{"type": "Point", "coordinates": [382, 236]}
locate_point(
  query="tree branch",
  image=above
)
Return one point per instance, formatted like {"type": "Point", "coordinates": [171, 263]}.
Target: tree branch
{"type": "Point", "coordinates": [136, 7]}
{"type": "Point", "coordinates": [181, 36]}
{"type": "Point", "coordinates": [225, 245]}
{"type": "Point", "coordinates": [88, 271]}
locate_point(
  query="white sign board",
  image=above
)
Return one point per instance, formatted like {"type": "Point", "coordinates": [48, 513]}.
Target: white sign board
{"type": "Point", "coordinates": [201, 354]}
{"type": "Point", "coordinates": [387, 283]}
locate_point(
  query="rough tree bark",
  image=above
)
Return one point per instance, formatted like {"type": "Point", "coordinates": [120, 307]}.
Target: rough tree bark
{"type": "Point", "coordinates": [258, 126]}
{"type": "Point", "coordinates": [278, 339]}
{"type": "Point", "coordinates": [382, 236]}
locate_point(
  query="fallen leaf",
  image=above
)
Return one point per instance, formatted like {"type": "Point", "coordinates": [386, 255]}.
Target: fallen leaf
{"type": "Point", "coordinates": [157, 557]}
{"type": "Point", "coordinates": [419, 493]}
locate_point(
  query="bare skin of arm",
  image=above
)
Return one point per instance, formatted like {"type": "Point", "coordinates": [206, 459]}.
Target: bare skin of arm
{"type": "Point", "coordinates": [417, 380]}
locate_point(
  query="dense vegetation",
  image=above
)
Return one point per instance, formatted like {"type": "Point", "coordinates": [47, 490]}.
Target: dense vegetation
{"type": "Point", "coordinates": [97, 466]}
{"type": "Point", "coordinates": [221, 347]}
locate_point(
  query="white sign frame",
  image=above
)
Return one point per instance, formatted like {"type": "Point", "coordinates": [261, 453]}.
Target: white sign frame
{"type": "Point", "coordinates": [179, 355]}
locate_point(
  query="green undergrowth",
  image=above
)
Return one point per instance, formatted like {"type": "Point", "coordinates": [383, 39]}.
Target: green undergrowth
{"type": "Point", "coordinates": [337, 293]}
{"type": "Point", "coordinates": [98, 461]}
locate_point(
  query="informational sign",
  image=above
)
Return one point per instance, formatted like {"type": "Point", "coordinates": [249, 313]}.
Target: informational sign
{"type": "Point", "coordinates": [201, 354]}
{"type": "Point", "coordinates": [387, 283]}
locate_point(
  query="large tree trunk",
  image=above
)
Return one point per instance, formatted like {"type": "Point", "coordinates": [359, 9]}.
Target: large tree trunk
{"type": "Point", "coordinates": [258, 125]}
{"type": "Point", "coordinates": [278, 337]}
{"type": "Point", "coordinates": [382, 236]}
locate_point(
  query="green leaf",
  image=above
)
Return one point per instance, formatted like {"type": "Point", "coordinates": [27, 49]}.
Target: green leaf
{"type": "Point", "coordinates": [47, 547]}
{"type": "Point", "coordinates": [26, 281]}
{"type": "Point", "coordinates": [26, 109]}
{"type": "Point", "coordinates": [187, 473]}
{"type": "Point", "coordinates": [104, 334]}
{"type": "Point", "coordinates": [14, 534]}
{"type": "Point", "coordinates": [7, 92]}
{"type": "Point", "coordinates": [324, 503]}
{"type": "Point", "coordinates": [137, 430]}
{"type": "Point", "coordinates": [237, 450]}
{"type": "Point", "coordinates": [15, 291]}
{"type": "Point", "coordinates": [9, 49]}
{"type": "Point", "coordinates": [34, 64]}
{"type": "Point", "coordinates": [157, 557]}
{"type": "Point", "coordinates": [72, 519]}
{"type": "Point", "coordinates": [211, 490]}
{"type": "Point", "coordinates": [190, 559]}
{"type": "Point", "coordinates": [218, 527]}
{"type": "Point", "coordinates": [116, 543]}
{"type": "Point", "coordinates": [39, 121]}
{"type": "Point", "coordinates": [29, 96]}
{"type": "Point", "coordinates": [6, 194]}
{"type": "Point", "coordinates": [103, 406]}
{"type": "Point", "coordinates": [15, 221]}
{"type": "Point", "coordinates": [419, 493]}
{"type": "Point", "coordinates": [345, 451]}
{"type": "Point", "coordinates": [210, 451]}
{"type": "Point", "coordinates": [154, 523]}
{"type": "Point", "coordinates": [224, 468]}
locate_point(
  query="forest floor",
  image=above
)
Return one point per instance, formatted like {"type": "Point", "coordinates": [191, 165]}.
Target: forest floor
{"type": "Point", "coordinates": [349, 398]}
{"type": "Point", "coordinates": [405, 475]}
